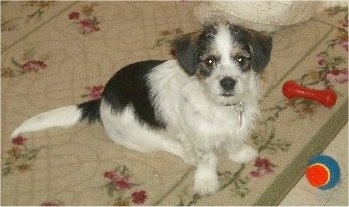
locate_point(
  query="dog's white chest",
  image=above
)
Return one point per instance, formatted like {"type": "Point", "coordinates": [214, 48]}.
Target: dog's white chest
{"type": "Point", "coordinates": [210, 123]}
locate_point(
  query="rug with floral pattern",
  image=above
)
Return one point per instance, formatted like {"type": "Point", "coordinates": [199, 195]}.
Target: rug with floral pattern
{"type": "Point", "coordinates": [61, 53]}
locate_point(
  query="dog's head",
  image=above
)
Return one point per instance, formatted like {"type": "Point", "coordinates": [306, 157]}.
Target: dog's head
{"type": "Point", "coordinates": [224, 58]}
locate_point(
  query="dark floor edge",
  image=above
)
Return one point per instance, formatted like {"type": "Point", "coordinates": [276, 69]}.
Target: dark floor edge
{"type": "Point", "coordinates": [284, 182]}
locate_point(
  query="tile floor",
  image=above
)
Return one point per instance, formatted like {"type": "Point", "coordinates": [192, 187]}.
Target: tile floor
{"type": "Point", "coordinates": [304, 194]}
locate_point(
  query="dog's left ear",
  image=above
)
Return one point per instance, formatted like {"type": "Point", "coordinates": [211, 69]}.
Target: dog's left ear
{"type": "Point", "coordinates": [261, 46]}
{"type": "Point", "coordinates": [185, 52]}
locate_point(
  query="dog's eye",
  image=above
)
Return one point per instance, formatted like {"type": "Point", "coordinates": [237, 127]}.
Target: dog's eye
{"type": "Point", "coordinates": [241, 60]}
{"type": "Point", "coordinates": [210, 61]}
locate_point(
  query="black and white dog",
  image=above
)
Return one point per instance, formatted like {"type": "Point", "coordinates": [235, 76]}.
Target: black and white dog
{"type": "Point", "coordinates": [204, 100]}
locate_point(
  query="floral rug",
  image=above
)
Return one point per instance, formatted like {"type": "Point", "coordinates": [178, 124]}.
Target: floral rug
{"type": "Point", "coordinates": [61, 53]}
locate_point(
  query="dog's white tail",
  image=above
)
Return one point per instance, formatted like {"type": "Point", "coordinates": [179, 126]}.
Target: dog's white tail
{"type": "Point", "coordinates": [61, 117]}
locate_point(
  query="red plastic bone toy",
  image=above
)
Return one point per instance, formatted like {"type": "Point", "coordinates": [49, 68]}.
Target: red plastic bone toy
{"type": "Point", "coordinates": [326, 97]}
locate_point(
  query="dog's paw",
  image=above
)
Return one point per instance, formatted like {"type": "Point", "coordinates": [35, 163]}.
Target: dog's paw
{"type": "Point", "coordinates": [205, 183]}
{"type": "Point", "coordinates": [245, 154]}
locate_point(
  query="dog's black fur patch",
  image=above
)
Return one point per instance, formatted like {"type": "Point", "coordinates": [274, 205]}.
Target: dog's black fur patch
{"type": "Point", "coordinates": [261, 45]}
{"type": "Point", "coordinates": [186, 54]}
{"type": "Point", "coordinates": [129, 87]}
{"type": "Point", "coordinates": [90, 110]}
{"type": "Point", "coordinates": [205, 40]}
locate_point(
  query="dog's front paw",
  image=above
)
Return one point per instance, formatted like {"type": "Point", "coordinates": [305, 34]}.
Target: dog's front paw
{"type": "Point", "coordinates": [205, 183]}
{"type": "Point", "coordinates": [245, 154]}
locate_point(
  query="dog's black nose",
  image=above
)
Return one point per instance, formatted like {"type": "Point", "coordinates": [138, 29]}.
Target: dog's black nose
{"type": "Point", "coordinates": [228, 84]}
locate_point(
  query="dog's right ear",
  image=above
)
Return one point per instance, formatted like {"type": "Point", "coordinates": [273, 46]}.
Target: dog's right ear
{"type": "Point", "coordinates": [185, 52]}
{"type": "Point", "coordinates": [261, 45]}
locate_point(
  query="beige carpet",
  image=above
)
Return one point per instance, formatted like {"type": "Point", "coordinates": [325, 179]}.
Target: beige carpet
{"type": "Point", "coordinates": [61, 53]}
